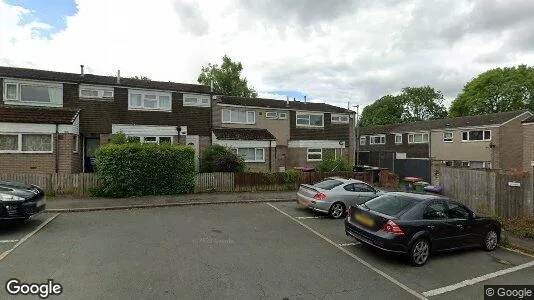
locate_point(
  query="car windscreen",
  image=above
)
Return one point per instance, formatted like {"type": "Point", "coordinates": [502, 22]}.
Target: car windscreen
{"type": "Point", "coordinates": [328, 184]}
{"type": "Point", "coordinates": [391, 205]}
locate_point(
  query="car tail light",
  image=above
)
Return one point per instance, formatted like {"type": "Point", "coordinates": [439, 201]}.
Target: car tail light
{"type": "Point", "coordinates": [319, 196]}
{"type": "Point", "coordinates": [349, 212]}
{"type": "Point", "coordinates": [391, 227]}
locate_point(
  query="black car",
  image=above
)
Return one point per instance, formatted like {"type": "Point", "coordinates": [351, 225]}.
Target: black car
{"type": "Point", "coordinates": [20, 201]}
{"type": "Point", "coordinates": [419, 224]}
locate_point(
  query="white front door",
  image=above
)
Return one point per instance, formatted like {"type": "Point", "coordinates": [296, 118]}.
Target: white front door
{"type": "Point", "coordinates": [193, 141]}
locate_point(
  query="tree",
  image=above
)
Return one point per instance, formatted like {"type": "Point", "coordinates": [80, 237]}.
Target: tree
{"type": "Point", "coordinates": [226, 79]}
{"type": "Point", "coordinates": [217, 158]}
{"type": "Point", "coordinates": [496, 90]}
{"type": "Point", "coordinates": [413, 104]}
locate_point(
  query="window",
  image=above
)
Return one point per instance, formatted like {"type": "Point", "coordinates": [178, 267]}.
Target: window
{"type": "Point", "coordinates": [251, 154]}
{"type": "Point", "coordinates": [476, 164]}
{"type": "Point", "coordinates": [363, 188]}
{"type": "Point", "coordinates": [196, 100]}
{"type": "Point", "coordinates": [149, 100]}
{"type": "Point", "coordinates": [150, 139]}
{"type": "Point", "coordinates": [315, 154]}
{"type": "Point", "coordinates": [271, 115]}
{"type": "Point", "coordinates": [476, 135]}
{"type": "Point", "coordinates": [240, 116]}
{"type": "Point", "coordinates": [75, 143]}
{"type": "Point", "coordinates": [363, 140]}
{"type": "Point", "coordinates": [398, 138]}
{"type": "Point", "coordinates": [310, 120]}
{"type": "Point", "coordinates": [328, 184]}
{"type": "Point", "coordinates": [9, 142]}
{"type": "Point", "coordinates": [340, 119]}
{"type": "Point", "coordinates": [377, 139]}
{"type": "Point", "coordinates": [447, 137]}
{"type": "Point", "coordinates": [165, 139]}
{"type": "Point", "coordinates": [435, 211]}
{"type": "Point", "coordinates": [95, 92]}
{"type": "Point", "coordinates": [31, 143]}
{"type": "Point", "coordinates": [457, 211]}
{"type": "Point", "coordinates": [282, 116]}
{"type": "Point", "coordinates": [465, 164]}
{"type": "Point", "coordinates": [487, 165]}
{"type": "Point", "coordinates": [417, 138]}
{"type": "Point", "coordinates": [390, 205]}
{"type": "Point", "coordinates": [38, 93]}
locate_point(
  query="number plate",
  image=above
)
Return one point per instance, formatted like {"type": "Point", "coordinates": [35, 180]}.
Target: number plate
{"type": "Point", "coordinates": [365, 220]}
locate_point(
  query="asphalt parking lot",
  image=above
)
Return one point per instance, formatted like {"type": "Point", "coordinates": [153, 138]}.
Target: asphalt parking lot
{"type": "Point", "coordinates": [241, 251]}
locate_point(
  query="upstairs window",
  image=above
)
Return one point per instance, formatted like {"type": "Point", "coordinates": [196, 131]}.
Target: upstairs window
{"type": "Point", "coordinates": [340, 119]}
{"type": "Point", "coordinates": [447, 137]}
{"type": "Point", "coordinates": [417, 138]}
{"type": "Point", "coordinates": [282, 116]}
{"type": "Point", "coordinates": [196, 100]}
{"type": "Point", "coordinates": [238, 116]}
{"type": "Point", "coordinates": [476, 135]}
{"type": "Point", "coordinates": [363, 140]}
{"type": "Point", "coordinates": [377, 139]}
{"type": "Point", "coordinates": [95, 92]}
{"type": "Point", "coordinates": [398, 138]}
{"type": "Point", "coordinates": [149, 100]}
{"type": "Point", "coordinates": [271, 115]}
{"type": "Point", "coordinates": [33, 93]}
{"type": "Point", "coordinates": [310, 119]}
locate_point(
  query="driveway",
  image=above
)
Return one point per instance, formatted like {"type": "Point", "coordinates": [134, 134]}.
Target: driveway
{"type": "Point", "coordinates": [237, 251]}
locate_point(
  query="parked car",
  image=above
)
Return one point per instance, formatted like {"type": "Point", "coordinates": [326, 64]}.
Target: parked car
{"type": "Point", "coordinates": [334, 194]}
{"type": "Point", "coordinates": [20, 201]}
{"type": "Point", "coordinates": [418, 224]}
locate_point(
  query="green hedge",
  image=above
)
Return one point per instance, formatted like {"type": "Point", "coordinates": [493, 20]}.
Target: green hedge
{"type": "Point", "coordinates": [136, 169]}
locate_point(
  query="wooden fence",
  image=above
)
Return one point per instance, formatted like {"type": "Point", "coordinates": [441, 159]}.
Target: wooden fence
{"type": "Point", "coordinates": [80, 184]}
{"type": "Point", "coordinates": [489, 191]}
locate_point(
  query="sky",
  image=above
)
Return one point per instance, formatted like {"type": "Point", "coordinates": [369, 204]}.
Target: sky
{"type": "Point", "coordinates": [340, 52]}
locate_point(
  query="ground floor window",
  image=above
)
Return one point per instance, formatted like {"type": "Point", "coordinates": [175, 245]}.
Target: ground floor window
{"type": "Point", "coordinates": [480, 164]}
{"type": "Point", "coordinates": [30, 143]}
{"type": "Point", "coordinates": [315, 154]}
{"type": "Point", "coordinates": [150, 139]}
{"type": "Point", "coordinates": [251, 154]}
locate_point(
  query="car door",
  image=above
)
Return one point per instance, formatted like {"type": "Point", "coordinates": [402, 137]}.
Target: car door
{"type": "Point", "coordinates": [350, 197]}
{"type": "Point", "coordinates": [438, 225]}
{"type": "Point", "coordinates": [364, 192]}
{"type": "Point", "coordinates": [466, 235]}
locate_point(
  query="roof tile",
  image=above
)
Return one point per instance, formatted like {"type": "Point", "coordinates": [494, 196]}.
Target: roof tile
{"type": "Point", "coordinates": [37, 115]}
{"type": "Point", "coordinates": [243, 134]}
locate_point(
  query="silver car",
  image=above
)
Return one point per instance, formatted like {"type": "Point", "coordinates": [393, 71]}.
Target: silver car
{"type": "Point", "coordinates": [334, 195]}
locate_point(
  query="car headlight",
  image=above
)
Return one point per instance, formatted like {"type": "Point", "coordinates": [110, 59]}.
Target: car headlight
{"type": "Point", "coordinates": [8, 197]}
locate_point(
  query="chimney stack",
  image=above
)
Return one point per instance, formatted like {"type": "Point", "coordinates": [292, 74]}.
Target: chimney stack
{"type": "Point", "coordinates": [81, 72]}
{"type": "Point", "coordinates": [304, 98]}
{"type": "Point", "coordinates": [118, 76]}
{"type": "Point", "coordinates": [294, 99]}
{"type": "Point", "coordinates": [287, 100]}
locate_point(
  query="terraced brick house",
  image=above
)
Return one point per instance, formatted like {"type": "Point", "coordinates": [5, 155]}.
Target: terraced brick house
{"type": "Point", "coordinates": [53, 121]}
{"type": "Point", "coordinates": [274, 135]}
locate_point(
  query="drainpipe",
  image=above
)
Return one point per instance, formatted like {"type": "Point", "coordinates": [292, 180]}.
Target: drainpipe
{"type": "Point", "coordinates": [270, 149]}
{"type": "Point", "coordinates": [57, 148]}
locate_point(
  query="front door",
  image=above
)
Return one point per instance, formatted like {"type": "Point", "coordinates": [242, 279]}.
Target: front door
{"type": "Point", "coordinates": [193, 141]}
{"type": "Point", "coordinates": [91, 144]}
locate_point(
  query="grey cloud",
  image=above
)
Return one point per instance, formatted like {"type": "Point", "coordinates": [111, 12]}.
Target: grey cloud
{"type": "Point", "coordinates": [191, 18]}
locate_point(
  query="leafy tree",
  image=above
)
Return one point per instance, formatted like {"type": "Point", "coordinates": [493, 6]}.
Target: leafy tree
{"type": "Point", "coordinates": [217, 158]}
{"type": "Point", "coordinates": [496, 90]}
{"type": "Point", "coordinates": [228, 162]}
{"type": "Point", "coordinates": [413, 104]}
{"type": "Point", "coordinates": [332, 164]}
{"type": "Point", "coordinates": [226, 79]}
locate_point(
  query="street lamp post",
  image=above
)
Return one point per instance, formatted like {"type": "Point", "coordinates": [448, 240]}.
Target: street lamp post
{"type": "Point", "coordinates": [357, 134]}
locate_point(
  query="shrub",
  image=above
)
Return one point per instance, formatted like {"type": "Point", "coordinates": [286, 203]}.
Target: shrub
{"type": "Point", "coordinates": [212, 152]}
{"type": "Point", "coordinates": [119, 138]}
{"type": "Point", "coordinates": [228, 162]}
{"type": "Point", "coordinates": [291, 176]}
{"type": "Point", "coordinates": [332, 164]}
{"type": "Point", "coordinates": [268, 177]}
{"type": "Point", "coordinates": [135, 169]}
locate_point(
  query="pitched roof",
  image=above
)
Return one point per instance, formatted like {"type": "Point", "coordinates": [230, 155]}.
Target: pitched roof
{"type": "Point", "coordinates": [529, 120]}
{"type": "Point", "coordinates": [243, 134]}
{"type": "Point", "coordinates": [466, 121]}
{"type": "Point", "coordinates": [97, 79]}
{"type": "Point", "coordinates": [37, 115]}
{"type": "Point", "coordinates": [281, 104]}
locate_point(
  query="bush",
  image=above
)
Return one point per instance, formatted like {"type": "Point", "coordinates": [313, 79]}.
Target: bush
{"type": "Point", "coordinates": [522, 227]}
{"type": "Point", "coordinates": [207, 160]}
{"type": "Point", "coordinates": [228, 163]}
{"type": "Point", "coordinates": [119, 138]}
{"type": "Point", "coordinates": [332, 164]}
{"type": "Point", "coordinates": [291, 176]}
{"type": "Point", "coordinates": [268, 177]}
{"type": "Point", "coordinates": [135, 169]}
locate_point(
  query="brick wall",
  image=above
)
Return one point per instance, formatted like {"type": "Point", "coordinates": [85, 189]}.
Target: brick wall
{"type": "Point", "coordinates": [528, 146]}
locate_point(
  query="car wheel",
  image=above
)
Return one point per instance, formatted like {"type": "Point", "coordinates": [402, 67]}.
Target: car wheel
{"type": "Point", "coordinates": [337, 210]}
{"type": "Point", "coordinates": [491, 240]}
{"type": "Point", "coordinates": [419, 252]}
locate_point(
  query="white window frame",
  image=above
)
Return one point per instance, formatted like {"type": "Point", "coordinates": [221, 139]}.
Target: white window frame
{"type": "Point", "coordinates": [339, 119]}
{"type": "Point", "coordinates": [396, 136]}
{"type": "Point", "coordinates": [262, 159]}
{"type": "Point", "coordinates": [487, 165]}
{"type": "Point", "coordinates": [411, 138]}
{"type": "Point", "coordinates": [448, 140]}
{"type": "Point", "coordinates": [201, 100]}
{"type": "Point", "coordinates": [282, 116]}
{"type": "Point", "coordinates": [363, 140]}
{"type": "Point", "coordinates": [145, 93]}
{"type": "Point", "coordinates": [382, 138]}
{"type": "Point", "coordinates": [483, 136]}
{"type": "Point", "coordinates": [271, 115]}
{"type": "Point", "coordinates": [303, 115]}
{"type": "Point", "coordinates": [99, 89]}
{"type": "Point", "coordinates": [19, 101]}
{"type": "Point", "coordinates": [308, 152]}
{"type": "Point", "coordinates": [76, 138]}
{"type": "Point", "coordinates": [233, 111]}
{"type": "Point", "coordinates": [158, 137]}
{"type": "Point", "coordinates": [19, 142]}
